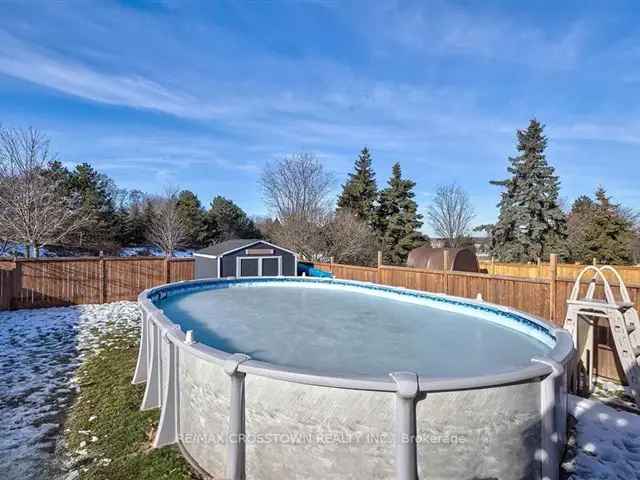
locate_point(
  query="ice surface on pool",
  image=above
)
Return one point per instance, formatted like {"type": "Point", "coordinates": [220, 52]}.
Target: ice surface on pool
{"type": "Point", "coordinates": [348, 332]}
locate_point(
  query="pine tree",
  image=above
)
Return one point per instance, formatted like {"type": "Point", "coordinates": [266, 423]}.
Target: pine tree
{"type": "Point", "coordinates": [97, 195]}
{"type": "Point", "coordinates": [582, 211]}
{"type": "Point", "coordinates": [136, 226]}
{"type": "Point", "coordinates": [608, 236]}
{"type": "Point", "coordinates": [193, 216]}
{"type": "Point", "coordinates": [230, 221]}
{"type": "Point", "coordinates": [397, 220]}
{"type": "Point", "coordinates": [531, 224]}
{"type": "Point", "coordinates": [360, 191]}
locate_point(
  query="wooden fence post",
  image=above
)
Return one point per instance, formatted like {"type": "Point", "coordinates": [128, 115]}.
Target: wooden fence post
{"type": "Point", "coordinates": [539, 272]}
{"type": "Point", "coordinates": [445, 269]}
{"type": "Point", "coordinates": [167, 270]}
{"type": "Point", "coordinates": [16, 290]}
{"type": "Point", "coordinates": [553, 286]}
{"type": "Point", "coordinates": [493, 266]}
{"type": "Point", "coordinates": [103, 280]}
{"type": "Point", "coordinates": [379, 273]}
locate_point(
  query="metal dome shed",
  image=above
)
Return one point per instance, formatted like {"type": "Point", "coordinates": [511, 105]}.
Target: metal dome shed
{"type": "Point", "coordinates": [460, 259]}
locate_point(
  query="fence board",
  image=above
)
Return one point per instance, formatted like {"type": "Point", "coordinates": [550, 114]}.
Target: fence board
{"type": "Point", "coordinates": [630, 274]}
{"type": "Point", "coordinates": [350, 272]}
{"type": "Point", "coordinates": [7, 279]}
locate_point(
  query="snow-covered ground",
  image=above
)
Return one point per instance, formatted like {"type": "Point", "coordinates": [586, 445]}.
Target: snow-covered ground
{"type": "Point", "coordinates": [607, 442]}
{"type": "Point", "coordinates": [18, 250]}
{"type": "Point", "coordinates": [40, 351]}
{"type": "Point", "coordinates": [152, 251]}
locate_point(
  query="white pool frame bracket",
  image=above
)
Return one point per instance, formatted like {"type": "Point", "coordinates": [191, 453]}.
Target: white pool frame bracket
{"type": "Point", "coordinates": [140, 375]}
{"type": "Point", "coordinates": [167, 433]}
{"type": "Point", "coordinates": [153, 392]}
{"type": "Point", "coordinates": [405, 425]}
{"type": "Point", "coordinates": [235, 468]}
{"type": "Point", "coordinates": [553, 429]}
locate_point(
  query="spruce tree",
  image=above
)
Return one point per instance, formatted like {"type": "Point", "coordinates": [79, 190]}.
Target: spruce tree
{"type": "Point", "coordinates": [397, 220]}
{"type": "Point", "coordinates": [360, 191]}
{"type": "Point", "coordinates": [230, 221]}
{"type": "Point", "coordinates": [608, 236]}
{"type": "Point", "coordinates": [193, 216]}
{"type": "Point", "coordinates": [531, 224]}
{"type": "Point", "coordinates": [578, 220]}
{"type": "Point", "coordinates": [96, 192]}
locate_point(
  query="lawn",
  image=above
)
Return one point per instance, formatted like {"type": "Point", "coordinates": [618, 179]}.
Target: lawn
{"type": "Point", "coordinates": [106, 433]}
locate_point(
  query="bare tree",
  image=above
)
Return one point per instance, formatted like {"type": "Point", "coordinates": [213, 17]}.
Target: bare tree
{"type": "Point", "coordinates": [167, 230]}
{"type": "Point", "coordinates": [297, 186]}
{"type": "Point", "coordinates": [450, 214]}
{"type": "Point", "coordinates": [297, 189]}
{"type": "Point", "coordinates": [302, 236]}
{"type": "Point", "coordinates": [348, 239]}
{"type": "Point", "coordinates": [33, 209]}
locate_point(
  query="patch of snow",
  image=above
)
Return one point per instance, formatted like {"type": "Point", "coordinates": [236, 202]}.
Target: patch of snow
{"type": "Point", "coordinates": [607, 443]}
{"type": "Point", "coordinates": [40, 351]}
{"type": "Point", "coordinates": [150, 250]}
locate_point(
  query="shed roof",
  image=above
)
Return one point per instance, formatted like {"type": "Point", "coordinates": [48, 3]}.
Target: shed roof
{"type": "Point", "coordinates": [229, 245]}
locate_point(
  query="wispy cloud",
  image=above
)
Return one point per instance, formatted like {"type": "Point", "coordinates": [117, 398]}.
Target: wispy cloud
{"type": "Point", "coordinates": [625, 133]}
{"type": "Point", "coordinates": [443, 29]}
{"type": "Point", "coordinates": [36, 65]}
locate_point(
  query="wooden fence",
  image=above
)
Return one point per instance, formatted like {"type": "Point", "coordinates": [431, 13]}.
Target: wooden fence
{"type": "Point", "coordinates": [545, 298]}
{"type": "Point", "coordinates": [630, 274]}
{"type": "Point", "coordinates": [35, 283]}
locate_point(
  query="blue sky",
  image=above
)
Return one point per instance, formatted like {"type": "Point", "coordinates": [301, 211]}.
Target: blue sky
{"type": "Point", "coordinates": [201, 94]}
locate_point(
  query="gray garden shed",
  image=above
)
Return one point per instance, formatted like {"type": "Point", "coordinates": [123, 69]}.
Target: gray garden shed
{"type": "Point", "coordinates": [245, 258]}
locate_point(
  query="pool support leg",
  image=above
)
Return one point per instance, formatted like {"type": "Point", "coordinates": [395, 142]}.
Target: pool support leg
{"type": "Point", "coordinates": [405, 425]}
{"type": "Point", "coordinates": [140, 375]}
{"type": "Point", "coordinates": [152, 393]}
{"type": "Point", "coordinates": [552, 421]}
{"type": "Point", "coordinates": [235, 467]}
{"type": "Point", "coordinates": [167, 433]}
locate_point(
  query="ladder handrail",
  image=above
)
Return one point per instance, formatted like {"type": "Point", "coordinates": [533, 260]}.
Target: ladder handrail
{"type": "Point", "coordinates": [575, 292]}
{"type": "Point", "coordinates": [624, 293]}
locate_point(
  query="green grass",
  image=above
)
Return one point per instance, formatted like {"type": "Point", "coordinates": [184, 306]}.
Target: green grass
{"type": "Point", "coordinates": [124, 433]}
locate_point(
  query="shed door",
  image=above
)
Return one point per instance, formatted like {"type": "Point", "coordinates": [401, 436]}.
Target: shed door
{"type": "Point", "coordinates": [248, 267]}
{"type": "Point", "coordinates": [271, 267]}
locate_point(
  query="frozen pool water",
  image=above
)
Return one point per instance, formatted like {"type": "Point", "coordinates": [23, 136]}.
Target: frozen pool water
{"type": "Point", "coordinates": [349, 331]}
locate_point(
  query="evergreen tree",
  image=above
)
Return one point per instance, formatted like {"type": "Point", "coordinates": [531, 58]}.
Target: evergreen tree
{"type": "Point", "coordinates": [136, 226]}
{"type": "Point", "coordinates": [608, 236]}
{"type": "Point", "coordinates": [148, 216]}
{"type": "Point", "coordinates": [360, 191]}
{"type": "Point", "coordinates": [579, 218]}
{"type": "Point", "coordinates": [96, 192]}
{"type": "Point", "coordinates": [531, 224]}
{"type": "Point", "coordinates": [227, 221]}
{"type": "Point", "coordinates": [397, 220]}
{"type": "Point", "coordinates": [193, 216]}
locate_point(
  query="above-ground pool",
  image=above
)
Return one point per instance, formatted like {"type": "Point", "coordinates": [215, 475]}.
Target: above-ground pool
{"type": "Point", "coordinates": [273, 378]}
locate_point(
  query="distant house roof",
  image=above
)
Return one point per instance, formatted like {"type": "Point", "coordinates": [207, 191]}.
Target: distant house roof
{"type": "Point", "coordinates": [233, 245]}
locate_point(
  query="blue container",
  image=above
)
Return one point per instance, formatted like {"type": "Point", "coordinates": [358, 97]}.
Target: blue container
{"type": "Point", "coordinates": [310, 271]}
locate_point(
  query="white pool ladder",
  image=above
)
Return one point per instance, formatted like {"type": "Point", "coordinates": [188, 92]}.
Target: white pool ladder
{"type": "Point", "coordinates": [582, 314]}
